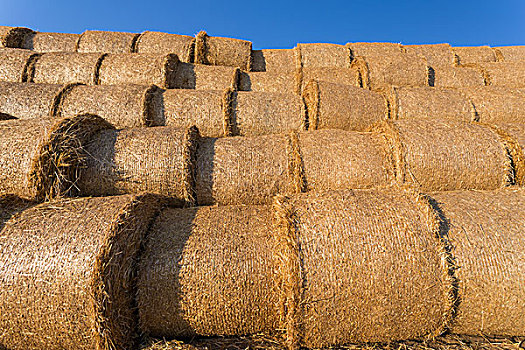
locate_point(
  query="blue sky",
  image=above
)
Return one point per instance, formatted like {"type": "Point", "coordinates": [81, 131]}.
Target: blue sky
{"type": "Point", "coordinates": [281, 24]}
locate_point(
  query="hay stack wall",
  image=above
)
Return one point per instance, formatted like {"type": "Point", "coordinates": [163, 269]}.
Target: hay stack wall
{"type": "Point", "coordinates": [29, 101]}
{"type": "Point", "coordinates": [67, 280]}
{"type": "Point", "coordinates": [14, 64]}
{"type": "Point", "coordinates": [164, 43]}
{"type": "Point", "coordinates": [51, 42]}
{"type": "Point", "coordinates": [106, 42]}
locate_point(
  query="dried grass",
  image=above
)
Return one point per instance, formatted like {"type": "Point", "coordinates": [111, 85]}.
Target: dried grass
{"type": "Point", "coordinates": [14, 64]}
{"type": "Point", "coordinates": [106, 42]}
{"type": "Point", "coordinates": [164, 43]}
{"type": "Point", "coordinates": [219, 51]}
{"type": "Point", "coordinates": [475, 54]}
{"type": "Point", "coordinates": [28, 101]}
{"type": "Point", "coordinates": [375, 49]}
{"type": "Point", "coordinates": [51, 42]}
{"type": "Point", "coordinates": [449, 76]}
{"type": "Point", "coordinates": [274, 60]}
{"type": "Point", "coordinates": [505, 74]}
{"type": "Point", "coordinates": [435, 54]}
{"type": "Point", "coordinates": [13, 36]}
{"type": "Point", "coordinates": [287, 82]}
{"type": "Point", "coordinates": [203, 77]}
{"type": "Point", "coordinates": [511, 53]}
{"type": "Point", "coordinates": [65, 67]}
{"type": "Point", "coordinates": [495, 104]}
{"type": "Point", "coordinates": [324, 56]}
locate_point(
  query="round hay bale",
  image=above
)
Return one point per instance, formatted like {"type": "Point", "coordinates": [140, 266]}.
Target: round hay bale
{"type": "Point", "coordinates": [183, 108]}
{"type": "Point", "coordinates": [429, 102]}
{"type": "Point", "coordinates": [106, 42]}
{"type": "Point", "coordinates": [435, 54]}
{"type": "Point", "coordinates": [324, 55]}
{"type": "Point", "coordinates": [124, 106]}
{"type": "Point", "coordinates": [360, 266]}
{"type": "Point", "coordinates": [14, 64]}
{"type": "Point", "coordinates": [29, 101]}
{"type": "Point", "coordinates": [455, 76]}
{"type": "Point", "coordinates": [486, 231]}
{"type": "Point", "coordinates": [374, 49]}
{"type": "Point", "coordinates": [496, 104]}
{"type": "Point", "coordinates": [217, 51]}
{"type": "Point", "coordinates": [139, 68]}
{"type": "Point", "coordinates": [51, 42]}
{"type": "Point", "coordinates": [285, 82]}
{"type": "Point", "coordinates": [68, 273]}
{"type": "Point", "coordinates": [208, 271]}
{"type": "Point", "coordinates": [164, 43]}
{"type": "Point", "coordinates": [346, 76]}
{"type": "Point", "coordinates": [203, 77]}
{"type": "Point", "coordinates": [337, 106]}
{"type": "Point", "coordinates": [274, 60]}
{"type": "Point", "coordinates": [506, 74]}
{"type": "Point", "coordinates": [399, 69]}
{"type": "Point", "coordinates": [512, 53]}
{"type": "Point", "coordinates": [156, 160]}
{"type": "Point", "coordinates": [243, 170]}
{"type": "Point", "coordinates": [336, 159]}
{"type": "Point", "coordinates": [11, 205]}
{"type": "Point", "coordinates": [13, 36]}
{"type": "Point", "coordinates": [443, 155]}
{"type": "Point", "coordinates": [260, 113]}
{"type": "Point", "coordinates": [65, 67]}
{"type": "Point", "coordinates": [475, 54]}
{"type": "Point", "coordinates": [513, 136]}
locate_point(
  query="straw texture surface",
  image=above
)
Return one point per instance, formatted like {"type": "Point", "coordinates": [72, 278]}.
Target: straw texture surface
{"type": "Point", "coordinates": [157, 42]}
{"type": "Point", "coordinates": [512, 53]}
{"type": "Point", "coordinates": [13, 64]}
{"type": "Point", "coordinates": [324, 55]}
{"type": "Point", "coordinates": [288, 82]}
{"type": "Point", "coordinates": [106, 42]}
{"type": "Point", "coordinates": [66, 67]}
{"type": "Point", "coordinates": [474, 54]}
{"type": "Point", "coordinates": [435, 54]}
{"type": "Point", "coordinates": [51, 42]}
{"type": "Point", "coordinates": [495, 104]}
{"type": "Point", "coordinates": [274, 60]}
{"type": "Point", "coordinates": [219, 51]}
{"type": "Point", "coordinates": [397, 69]}
{"type": "Point", "coordinates": [456, 76]}
{"type": "Point", "coordinates": [375, 49]}
{"type": "Point", "coordinates": [28, 101]}
{"type": "Point", "coordinates": [13, 36]}
{"type": "Point", "coordinates": [203, 77]}
{"type": "Point", "coordinates": [507, 74]}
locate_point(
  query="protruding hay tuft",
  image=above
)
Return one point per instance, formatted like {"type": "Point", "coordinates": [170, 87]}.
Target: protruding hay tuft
{"type": "Point", "coordinates": [27, 100]}
{"type": "Point", "coordinates": [106, 42]}
{"type": "Point", "coordinates": [51, 42]}
{"type": "Point", "coordinates": [14, 64]}
{"type": "Point", "coordinates": [219, 51]}
{"type": "Point", "coordinates": [164, 43]}
{"type": "Point", "coordinates": [13, 36]}
{"type": "Point", "coordinates": [66, 67]}
{"type": "Point", "coordinates": [203, 77]}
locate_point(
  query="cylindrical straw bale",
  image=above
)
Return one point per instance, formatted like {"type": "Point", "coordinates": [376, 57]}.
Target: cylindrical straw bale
{"type": "Point", "coordinates": [274, 60]}
{"type": "Point", "coordinates": [65, 67]}
{"type": "Point", "coordinates": [284, 82]}
{"type": "Point", "coordinates": [512, 53]}
{"type": "Point", "coordinates": [217, 51]}
{"type": "Point", "coordinates": [507, 74]}
{"type": "Point", "coordinates": [139, 68]}
{"type": "Point", "coordinates": [51, 42]}
{"type": "Point", "coordinates": [442, 155]}
{"type": "Point", "coordinates": [157, 160]}
{"type": "Point", "coordinates": [429, 102]}
{"type": "Point", "coordinates": [360, 266]}
{"type": "Point", "coordinates": [14, 64]}
{"type": "Point", "coordinates": [157, 42]}
{"type": "Point", "coordinates": [346, 76]}
{"type": "Point", "coordinates": [375, 49]}
{"type": "Point", "coordinates": [13, 36]}
{"type": "Point", "coordinates": [208, 271]}
{"type": "Point", "coordinates": [486, 231]}
{"type": "Point", "coordinates": [124, 106]}
{"type": "Point", "coordinates": [435, 54]}
{"type": "Point", "coordinates": [243, 170]}
{"type": "Point", "coordinates": [106, 42]}
{"type": "Point", "coordinates": [324, 55]}
{"type": "Point", "coordinates": [203, 77]}
{"type": "Point", "coordinates": [204, 109]}
{"type": "Point", "coordinates": [40, 158]}
{"type": "Point", "coordinates": [475, 54]}
{"type": "Point", "coordinates": [455, 76]}
{"type": "Point", "coordinates": [29, 101]}
{"type": "Point", "coordinates": [337, 159]}
{"type": "Point", "coordinates": [513, 136]}
{"type": "Point", "coordinates": [336, 106]}
{"type": "Point", "coordinates": [496, 104]}
{"type": "Point", "coordinates": [11, 205]}
{"type": "Point", "coordinates": [68, 268]}
{"type": "Point", "coordinates": [260, 113]}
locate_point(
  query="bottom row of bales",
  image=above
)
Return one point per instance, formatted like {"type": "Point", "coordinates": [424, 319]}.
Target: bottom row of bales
{"type": "Point", "coordinates": [325, 268]}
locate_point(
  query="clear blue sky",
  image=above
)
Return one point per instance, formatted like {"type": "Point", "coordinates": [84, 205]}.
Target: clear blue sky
{"type": "Point", "coordinates": [281, 24]}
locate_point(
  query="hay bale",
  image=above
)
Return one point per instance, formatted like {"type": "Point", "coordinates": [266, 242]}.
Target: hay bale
{"type": "Point", "coordinates": [346, 76]}
{"type": "Point", "coordinates": [68, 273]}
{"type": "Point", "coordinates": [274, 60]}
{"type": "Point", "coordinates": [506, 74]}
{"type": "Point", "coordinates": [475, 54]}
{"type": "Point", "coordinates": [494, 104]}
{"type": "Point", "coordinates": [324, 55]}
{"type": "Point", "coordinates": [435, 54]}
{"type": "Point", "coordinates": [106, 42]}
{"type": "Point", "coordinates": [260, 113]}
{"type": "Point", "coordinates": [40, 158]}
{"type": "Point", "coordinates": [442, 155]}
{"type": "Point", "coordinates": [124, 106]}
{"type": "Point", "coordinates": [14, 64]}
{"type": "Point", "coordinates": [141, 69]}
{"type": "Point", "coordinates": [429, 102]}
{"type": "Point", "coordinates": [375, 49]}
{"type": "Point", "coordinates": [29, 101]}
{"type": "Point", "coordinates": [164, 43]}
{"type": "Point", "coordinates": [360, 266]}
{"type": "Point", "coordinates": [13, 36]}
{"type": "Point", "coordinates": [156, 160]}
{"type": "Point", "coordinates": [243, 170]}
{"type": "Point", "coordinates": [449, 76]}
{"type": "Point", "coordinates": [65, 67]}
{"type": "Point", "coordinates": [486, 231]}
{"type": "Point", "coordinates": [217, 51]}
{"type": "Point", "coordinates": [183, 108]}
{"type": "Point", "coordinates": [285, 82]}
{"type": "Point", "coordinates": [203, 77]}
{"type": "Point", "coordinates": [511, 53]}
{"type": "Point", "coordinates": [208, 271]}
{"type": "Point", "coordinates": [400, 69]}
{"type": "Point", "coordinates": [51, 42]}
{"type": "Point", "coordinates": [336, 106]}
{"type": "Point", "coordinates": [336, 159]}
{"type": "Point", "coordinates": [513, 136]}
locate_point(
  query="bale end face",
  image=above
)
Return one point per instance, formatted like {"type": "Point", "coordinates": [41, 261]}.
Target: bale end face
{"type": "Point", "coordinates": [14, 36]}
